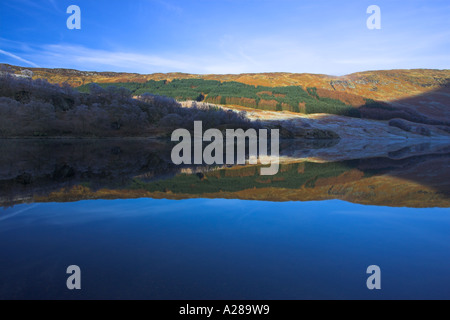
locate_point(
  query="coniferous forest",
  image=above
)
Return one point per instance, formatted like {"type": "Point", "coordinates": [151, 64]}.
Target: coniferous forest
{"type": "Point", "coordinates": [290, 98]}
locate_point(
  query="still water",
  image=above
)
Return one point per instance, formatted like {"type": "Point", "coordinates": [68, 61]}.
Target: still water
{"type": "Point", "coordinates": [139, 227]}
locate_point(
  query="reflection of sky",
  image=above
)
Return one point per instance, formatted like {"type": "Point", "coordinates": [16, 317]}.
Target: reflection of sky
{"type": "Point", "coordinates": [225, 249]}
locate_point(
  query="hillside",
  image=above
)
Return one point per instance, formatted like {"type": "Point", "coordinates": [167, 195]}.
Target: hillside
{"type": "Point", "coordinates": [422, 91]}
{"type": "Point", "coordinates": [36, 108]}
{"type": "Point", "coordinates": [378, 85]}
{"type": "Point", "coordinates": [292, 98]}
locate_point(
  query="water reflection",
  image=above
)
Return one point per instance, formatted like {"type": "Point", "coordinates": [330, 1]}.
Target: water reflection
{"type": "Point", "coordinates": [398, 173]}
{"type": "Point", "coordinates": [220, 247]}
{"type": "Point", "coordinates": [223, 249]}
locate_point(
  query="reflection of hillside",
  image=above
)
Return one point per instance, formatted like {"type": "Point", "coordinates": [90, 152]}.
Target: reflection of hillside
{"type": "Point", "coordinates": [407, 182]}
{"type": "Point", "coordinates": [340, 150]}
{"type": "Point", "coordinates": [32, 167]}
{"type": "Point", "coordinates": [415, 175]}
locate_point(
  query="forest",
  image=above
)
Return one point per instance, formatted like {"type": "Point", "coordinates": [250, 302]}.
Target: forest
{"type": "Point", "coordinates": [291, 98]}
{"type": "Point", "coordinates": [37, 108]}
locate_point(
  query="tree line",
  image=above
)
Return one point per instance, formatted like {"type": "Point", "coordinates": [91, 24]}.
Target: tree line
{"type": "Point", "coordinates": [290, 98]}
{"type": "Point", "coordinates": [37, 108]}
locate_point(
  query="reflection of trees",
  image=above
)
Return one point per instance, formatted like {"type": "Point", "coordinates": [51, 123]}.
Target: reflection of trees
{"type": "Point", "coordinates": [35, 167]}
{"type": "Point", "coordinates": [31, 168]}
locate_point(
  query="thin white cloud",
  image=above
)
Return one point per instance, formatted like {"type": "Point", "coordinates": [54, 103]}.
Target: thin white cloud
{"type": "Point", "coordinates": [83, 57]}
{"type": "Point", "coordinates": [232, 54]}
{"type": "Point", "coordinates": [243, 57]}
{"type": "Point", "coordinates": [47, 6]}
{"type": "Point", "coordinates": [9, 54]}
{"type": "Point", "coordinates": [171, 7]}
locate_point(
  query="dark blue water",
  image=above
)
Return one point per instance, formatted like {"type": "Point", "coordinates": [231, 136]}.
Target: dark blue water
{"type": "Point", "coordinates": [223, 249]}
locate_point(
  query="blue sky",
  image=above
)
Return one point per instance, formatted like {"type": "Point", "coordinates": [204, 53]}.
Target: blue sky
{"type": "Point", "coordinates": [226, 36]}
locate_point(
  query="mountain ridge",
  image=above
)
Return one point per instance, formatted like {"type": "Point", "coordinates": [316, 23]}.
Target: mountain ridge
{"type": "Point", "coordinates": [359, 81]}
{"type": "Point", "coordinates": [423, 91]}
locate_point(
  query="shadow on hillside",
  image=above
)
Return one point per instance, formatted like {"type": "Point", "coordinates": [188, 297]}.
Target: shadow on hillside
{"type": "Point", "coordinates": [426, 115]}
{"type": "Point", "coordinates": [432, 107]}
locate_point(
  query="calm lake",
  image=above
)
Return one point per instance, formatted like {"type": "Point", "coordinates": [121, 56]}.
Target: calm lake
{"type": "Point", "coordinates": [140, 227]}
